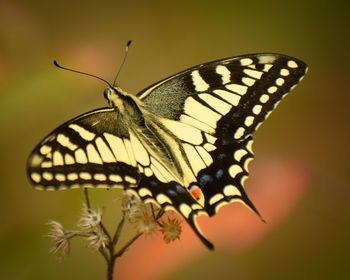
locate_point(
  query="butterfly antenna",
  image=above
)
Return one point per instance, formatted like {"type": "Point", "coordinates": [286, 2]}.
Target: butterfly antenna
{"type": "Point", "coordinates": [87, 74]}
{"type": "Point", "coordinates": [121, 65]}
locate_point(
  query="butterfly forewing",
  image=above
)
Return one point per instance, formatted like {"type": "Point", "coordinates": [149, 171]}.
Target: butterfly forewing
{"type": "Point", "coordinates": [242, 89]}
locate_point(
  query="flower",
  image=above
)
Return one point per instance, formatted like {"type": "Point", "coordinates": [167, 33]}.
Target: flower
{"type": "Point", "coordinates": [130, 205]}
{"type": "Point", "coordinates": [92, 230]}
{"type": "Point", "coordinates": [60, 237]}
{"type": "Point", "coordinates": [144, 221]}
{"type": "Point", "coordinates": [97, 238]}
{"type": "Point", "coordinates": [171, 230]}
{"type": "Point", "coordinates": [90, 218]}
{"type": "Point", "coordinates": [138, 213]}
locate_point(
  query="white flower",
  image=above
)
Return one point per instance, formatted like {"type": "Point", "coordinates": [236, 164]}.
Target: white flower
{"type": "Point", "coordinates": [97, 239]}
{"type": "Point", "coordinates": [90, 218]}
{"type": "Point", "coordinates": [60, 238]}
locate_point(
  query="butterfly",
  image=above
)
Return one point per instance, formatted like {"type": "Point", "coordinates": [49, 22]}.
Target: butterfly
{"type": "Point", "coordinates": [183, 143]}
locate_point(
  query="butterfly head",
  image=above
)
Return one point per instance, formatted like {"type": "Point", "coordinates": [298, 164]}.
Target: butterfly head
{"type": "Point", "coordinates": [120, 99]}
{"type": "Point", "coordinates": [113, 93]}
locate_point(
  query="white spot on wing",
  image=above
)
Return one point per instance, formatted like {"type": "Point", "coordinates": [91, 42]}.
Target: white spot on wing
{"type": "Point", "coordinates": [36, 177]}
{"type": "Point", "coordinates": [196, 123]}
{"type": "Point", "coordinates": [198, 82]}
{"type": "Point", "coordinates": [144, 192]}
{"type": "Point", "coordinates": [265, 59]}
{"type": "Point", "coordinates": [264, 98]}
{"type": "Point", "coordinates": [267, 67]}
{"type": "Point", "coordinates": [60, 177]}
{"type": "Point", "coordinates": [130, 152]}
{"type": "Point", "coordinates": [230, 190]}
{"type": "Point", "coordinates": [284, 72]}
{"type": "Point", "coordinates": [118, 147]}
{"type": "Point", "coordinates": [249, 146]}
{"type": "Point", "coordinates": [209, 147]}
{"type": "Point", "coordinates": [80, 156]}
{"type": "Point", "coordinates": [204, 155]}
{"type": "Point", "coordinates": [185, 210]}
{"type": "Point", "coordinates": [200, 112]}
{"type": "Point", "coordinates": [292, 64]}
{"type": "Point", "coordinates": [218, 105]}
{"type": "Point", "coordinates": [211, 139]}
{"type": "Point", "coordinates": [36, 160]}
{"type": "Point", "coordinates": [65, 142]}
{"type": "Point", "coordinates": [234, 170]}
{"type": "Point", "coordinates": [246, 61]}
{"type": "Point", "coordinates": [47, 176]}
{"type": "Point", "coordinates": [100, 177]}
{"type": "Point", "coordinates": [85, 134]}
{"type": "Point", "coordinates": [239, 89]}
{"type": "Point", "coordinates": [140, 152]}
{"type": "Point", "coordinates": [257, 109]}
{"type": "Point", "coordinates": [68, 159]}
{"type": "Point", "coordinates": [148, 172]}
{"type": "Point", "coordinates": [239, 154]}
{"type": "Point", "coordinates": [46, 164]}
{"type": "Point", "coordinates": [279, 81]}
{"type": "Point", "coordinates": [194, 158]}
{"type": "Point", "coordinates": [239, 132]}
{"type": "Point", "coordinates": [248, 81]}
{"type": "Point", "coordinates": [228, 96]}
{"type": "Point", "coordinates": [57, 158]}
{"type": "Point", "coordinates": [224, 72]}
{"type": "Point", "coordinates": [253, 73]}
{"type": "Point", "coordinates": [130, 180]}
{"type": "Point", "coordinates": [92, 154]}
{"type": "Point", "coordinates": [45, 150]}
{"type": "Point", "coordinates": [249, 121]}
{"type": "Point", "coordinates": [159, 170]}
{"type": "Point", "coordinates": [246, 163]}
{"type": "Point", "coordinates": [72, 176]}
{"type": "Point", "coordinates": [272, 89]}
{"type": "Point", "coordinates": [184, 131]}
{"type": "Point", "coordinates": [104, 151]}
{"type": "Point", "coordinates": [85, 176]}
{"type": "Point", "coordinates": [115, 178]}
{"type": "Point", "coordinates": [162, 198]}
{"type": "Point", "coordinates": [217, 197]}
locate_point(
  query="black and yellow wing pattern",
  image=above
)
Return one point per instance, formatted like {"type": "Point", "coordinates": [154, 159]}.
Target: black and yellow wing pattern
{"type": "Point", "coordinates": [183, 143]}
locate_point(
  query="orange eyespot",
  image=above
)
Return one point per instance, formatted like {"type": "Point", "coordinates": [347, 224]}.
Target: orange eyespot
{"type": "Point", "coordinates": [195, 191]}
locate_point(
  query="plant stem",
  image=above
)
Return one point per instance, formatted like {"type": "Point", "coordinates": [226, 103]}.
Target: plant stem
{"type": "Point", "coordinates": [126, 246]}
{"type": "Point", "coordinates": [86, 194]}
{"type": "Point", "coordinates": [110, 262]}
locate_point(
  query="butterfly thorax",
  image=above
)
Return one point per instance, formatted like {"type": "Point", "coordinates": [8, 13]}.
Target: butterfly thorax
{"type": "Point", "coordinates": [156, 138]}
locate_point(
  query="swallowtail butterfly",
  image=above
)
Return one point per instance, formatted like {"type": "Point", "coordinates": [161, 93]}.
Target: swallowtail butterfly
{"type": "Point", "coordinates": [183, 143]}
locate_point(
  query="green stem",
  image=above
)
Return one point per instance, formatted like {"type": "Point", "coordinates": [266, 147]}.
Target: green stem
{"type": "Point", "coordinates": [86, 194]}
{"type": "Point", "coordinates": [126, 246]}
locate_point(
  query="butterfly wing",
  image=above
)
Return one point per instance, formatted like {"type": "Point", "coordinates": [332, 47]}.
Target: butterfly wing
{"type": "Point", "coordinates": [226, 100]}
{"type": "Point", "coordinates": [90, 150]}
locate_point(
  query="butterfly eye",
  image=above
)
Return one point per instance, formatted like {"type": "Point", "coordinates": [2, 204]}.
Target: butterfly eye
{"type": "Point", "coordinates": [106, 93]}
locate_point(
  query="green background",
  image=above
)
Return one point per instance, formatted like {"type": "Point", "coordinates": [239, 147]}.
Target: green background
{"type": "Point", "coordinates": [312, 242]}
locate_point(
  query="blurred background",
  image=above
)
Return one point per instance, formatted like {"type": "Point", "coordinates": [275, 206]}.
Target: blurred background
{"type": "Point", "coordinates": [299, 180]}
